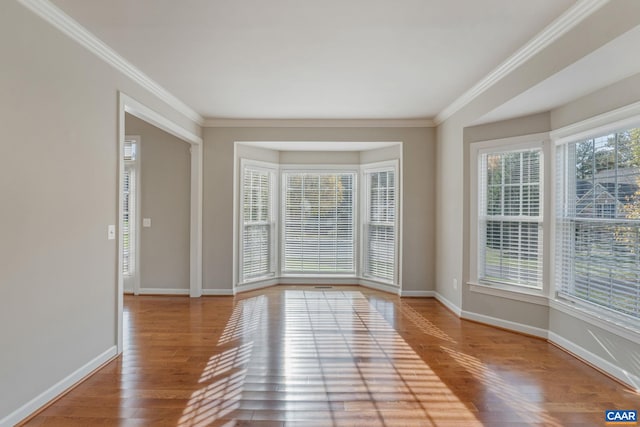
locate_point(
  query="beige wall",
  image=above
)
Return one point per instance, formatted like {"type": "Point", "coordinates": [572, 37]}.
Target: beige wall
{"type": "Point", "coordinates": [617, 95]}
{"type": "Point", "coordinates": [165, 198]}
{"type": "Point", "coordinates": [58, 175]}
{"type": "Point", "coordinates": [419, 192]}
{"type": "Point", "coordinates": [606, 345]}
{"type": "Point", "coordinates": [529, 314]}
{"type": "Point", "coordinates": [612, 20]}
{"type": "Point", "coordinates": [454, 183]}
{"type": "Point", "coordinates": [320, 157]}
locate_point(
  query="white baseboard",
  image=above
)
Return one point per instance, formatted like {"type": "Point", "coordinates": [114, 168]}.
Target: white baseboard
{"type": "Point", "coordinates": [57, 389]}
{"type": "Point", "coordinates": [451, 306]}
{"type": "Point", "coordinates": [163, 291]}
{"type": "Point", "coordinates": [628, 378]}
{"type": "Point", "coordinates": [423, 294]}
{"type": "Point", "coordinates": [505, 324]}
{"type": "Point", "coordinates": [217, 292]}
{"type": "Point", "coordinates": [336, 281]}
{"type": "Point", "coordinates": [392, 289]}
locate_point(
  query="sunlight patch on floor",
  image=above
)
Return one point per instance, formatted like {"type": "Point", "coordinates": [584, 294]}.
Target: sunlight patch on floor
{"type": "Point", "coordinates": [509, 395]}
{"type": "Point", "coordinates": [322, 358]}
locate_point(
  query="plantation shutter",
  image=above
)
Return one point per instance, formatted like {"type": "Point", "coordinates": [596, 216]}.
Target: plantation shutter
{"type": "Point", "coordinates": [258, 224]}
{"type": "Point", "coordinates": [598, 221]}
{"type": "Point", "coordinates": [510, 220]}
{"type": "Point", "coordinates": [380, 225]}
{"type": "Point", "coordinates": [318, 222]}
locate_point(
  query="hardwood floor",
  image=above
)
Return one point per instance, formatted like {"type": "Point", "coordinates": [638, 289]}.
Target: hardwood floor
{"type": "Point", "coordinates": [330, 357]}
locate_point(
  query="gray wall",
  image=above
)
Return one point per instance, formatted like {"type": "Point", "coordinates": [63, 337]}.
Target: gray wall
{"type": "Point", "coordinates": [454, 183]}
{"type": "Point", "coordinates": [58, 175]}
{"type": "Point", "coordinates": [612, 20]}
{"type": "Point", "coordinates": [533, 315]}
{"type": "Point", "coordinates": [58, 181]}
{"type": "Point", "coordinates": [419, 193]}
{"type": "Point", "coordinates": [614, 349]}
{"type": "Point", "coordinates": [319, 158]}
{"type": "Point", "coordinates": [165, 198]}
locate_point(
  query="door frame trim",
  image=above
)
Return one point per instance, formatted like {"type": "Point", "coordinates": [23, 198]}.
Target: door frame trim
{"type": "Point", "coordinates": [127, 104]}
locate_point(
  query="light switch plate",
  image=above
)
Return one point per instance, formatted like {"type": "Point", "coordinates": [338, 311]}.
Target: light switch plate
{"type": "Point", "coordinates": [146, 222]}
{"type": "Point", "coordinates": [111, 232]}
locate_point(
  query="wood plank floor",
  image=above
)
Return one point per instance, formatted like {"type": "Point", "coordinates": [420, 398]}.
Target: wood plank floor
{"type": "Point", "coordinates": [345, 356]}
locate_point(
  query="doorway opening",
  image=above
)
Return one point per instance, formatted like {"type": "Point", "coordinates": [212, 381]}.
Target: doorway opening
{"type": "Point", "coordinates": [128, 232]}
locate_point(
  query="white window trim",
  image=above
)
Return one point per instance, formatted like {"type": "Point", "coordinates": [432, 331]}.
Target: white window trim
{"type": "Point", "coordinates": [273, 169]}
{"type": "Point", "coordinates": [615, 120]}
{"type": "Point", "coordinates": [515, 292]}
{"type": "Point", "coordinates": [365, 168]}
{"type": "Point", "coordinates": [320, 168]}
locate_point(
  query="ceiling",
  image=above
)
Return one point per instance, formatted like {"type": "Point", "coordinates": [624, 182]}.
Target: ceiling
{"type": "Point", "coordinates": [302, 59]}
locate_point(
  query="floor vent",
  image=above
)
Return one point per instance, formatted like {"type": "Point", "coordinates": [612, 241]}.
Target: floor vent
{"type": "Point", "coordinates": [323, 287]}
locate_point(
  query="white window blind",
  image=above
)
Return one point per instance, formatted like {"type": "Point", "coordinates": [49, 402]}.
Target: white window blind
{"type": "Point", "coordinates": [318, 222]}
{"type": "Point", "coordinates": [598, 222]}
{"type": "Point", "coordinates": [257, 223]}
{"type": "Point", "coordinates": [380, 225]}
{"type": "Point", "coordinates": [510, 219]}
{"type": "Point", "coordinates": [129, 208]}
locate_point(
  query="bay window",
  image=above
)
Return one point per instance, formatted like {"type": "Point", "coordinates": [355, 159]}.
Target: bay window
{"type": "Point", "coordinates": [325, 221]}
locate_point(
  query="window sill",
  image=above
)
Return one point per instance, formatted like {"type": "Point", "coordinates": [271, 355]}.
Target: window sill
{"type": "Point", "coordinates": [524, 295]}
{"type": "Point", "coordinates": [258, 279]}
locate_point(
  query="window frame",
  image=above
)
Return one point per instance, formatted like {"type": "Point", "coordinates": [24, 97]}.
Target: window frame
{"type": "Point", "coordinates": [272, 170]}
{"type": "Point", "coordinates": [534, 295]}
{"type": "Point", "coordinates": [364, 220]}
{"type": "Point", "coordinates": [606, 317]}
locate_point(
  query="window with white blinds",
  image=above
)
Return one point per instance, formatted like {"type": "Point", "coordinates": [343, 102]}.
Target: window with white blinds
{"type": "Point", "coordinates": [129, 208]}
{"type": "Point", "coordinates": [318, 222]}
{"type": "Point", "coordinates": [258, 224]}
{"type": "Point", "coordinates": [510, 218]}
{"type": "Point", "coordinates": [380, 224]}
{"type": "Point", "coordinates": [598, 222]}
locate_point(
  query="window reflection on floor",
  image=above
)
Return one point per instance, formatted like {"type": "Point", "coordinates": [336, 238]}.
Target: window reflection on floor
{"type": "Point", "coordinates": [329, 358]}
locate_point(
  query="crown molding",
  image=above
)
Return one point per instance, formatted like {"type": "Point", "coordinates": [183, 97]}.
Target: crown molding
{"type": "Point", "coordinates": [327, 123]}
{"type": "Point", "coordinates": [63, 22]}
{"type": "Point", "coordinates": [560, 26]}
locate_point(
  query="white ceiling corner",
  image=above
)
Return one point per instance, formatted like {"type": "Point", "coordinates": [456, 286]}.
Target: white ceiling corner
{"type": "Point", "coordinates": [561, 25]}
{"type": "Point", "coordinates": [63, 22]}
{"type": "Point", "coordinates": [336, 64]}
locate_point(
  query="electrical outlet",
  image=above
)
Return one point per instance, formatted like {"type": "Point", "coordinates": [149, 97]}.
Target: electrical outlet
{"type": "Point", "coordinates": [455, 284]}
{"type": "Point", "coordinates": [146, 222]}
